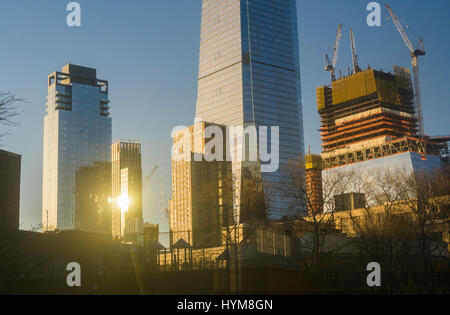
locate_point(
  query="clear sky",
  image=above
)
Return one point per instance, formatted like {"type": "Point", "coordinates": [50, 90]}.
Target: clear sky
{"type": "Point", "coordinates": [148, 50]}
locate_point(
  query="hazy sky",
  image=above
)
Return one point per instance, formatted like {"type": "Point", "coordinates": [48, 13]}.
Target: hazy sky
{"type": "Point", "coordinates": [148, 50]}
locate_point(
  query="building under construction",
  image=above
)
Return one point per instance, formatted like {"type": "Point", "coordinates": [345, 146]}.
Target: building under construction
{"type": "Point", "coordinates": [368, 115]}
{"type": "Point", "coordinates": [369, 126]}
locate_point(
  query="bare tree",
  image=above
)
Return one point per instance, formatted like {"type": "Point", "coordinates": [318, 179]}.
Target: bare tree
{"type": "Point", "coordinates": [427, 199]}
{"type": "Point", "coordinates": [9, 109]}
{"type": "Point", "coordinates": [32, 228]}
{"type": "Point", "coordinates": [317, 223]}
{"type": "Point", "coordinates": [399, 225]}
{"type": "Point", "coordinates": [381, 229]}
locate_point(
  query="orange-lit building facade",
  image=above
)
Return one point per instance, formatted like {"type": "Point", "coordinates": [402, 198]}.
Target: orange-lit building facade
{"type": "Point", "coordinates": [202, 192]}
{"type": "Point", "coordinates": [314, 190]}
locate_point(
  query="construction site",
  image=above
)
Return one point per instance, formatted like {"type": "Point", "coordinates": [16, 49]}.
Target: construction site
{"type": "Point", "coordinates": [371, 114]}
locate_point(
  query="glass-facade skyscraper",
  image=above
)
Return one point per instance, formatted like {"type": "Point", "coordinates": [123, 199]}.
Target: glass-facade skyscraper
{"type": "Point", "coordinates": [77, 148]}
{"type": "Point", "coordinates": [249, 75]}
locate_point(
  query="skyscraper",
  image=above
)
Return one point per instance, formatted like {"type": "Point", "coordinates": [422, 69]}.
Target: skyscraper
{"type": "Point", "coordinates": [202, 199]}
{"type": "Point", "coordinates": [249, 75]}
{"type": "Point", "coordinates": [77, 136]}
{"type": "Point", "coordinates": [127, 222]}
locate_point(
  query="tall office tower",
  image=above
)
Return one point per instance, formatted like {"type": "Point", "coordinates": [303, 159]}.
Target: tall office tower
{"type": "Point", "coordinates": [127, 223]}
{"type": "Point", "coordinates": [77, 136]}
{"type": "Point", "coordinates": [10, 164]}
{"type": "Point", "coordinates": [249, 75]}
{"type": "Point", "coordinates": [314, 190]}
{"type": "Point", "coordinates": [202, 198]}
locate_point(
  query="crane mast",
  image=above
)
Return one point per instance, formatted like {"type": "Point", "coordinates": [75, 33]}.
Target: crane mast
{"type": "Point", "coordinates": [330, 66]}
{"type": "Point", "coordinates": [415, 53]}
{"type": "Point", "coordinates": [356, 67]}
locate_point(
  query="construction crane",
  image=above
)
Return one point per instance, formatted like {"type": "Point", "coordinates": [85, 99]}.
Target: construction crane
{"type": "Point", "coordinates": [149, 176]}
{"type": "Point", "coordinates": [330, 66]}
{"type": "Point", "coordinates": [415, 53]}
{"type": "Point", "coordinates": [356, 67]}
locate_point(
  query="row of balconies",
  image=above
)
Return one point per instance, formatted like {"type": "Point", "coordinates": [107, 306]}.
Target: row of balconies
{"type": "Point", "coordinates": [104, 107]}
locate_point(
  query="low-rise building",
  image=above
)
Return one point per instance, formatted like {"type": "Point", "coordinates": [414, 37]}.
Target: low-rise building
{"type": "Point", "coordinates": [10, 165]}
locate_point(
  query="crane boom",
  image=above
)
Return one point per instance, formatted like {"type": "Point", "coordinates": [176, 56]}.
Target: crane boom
{"type": "Point", "coordinates": [149, 176]}
{"type": "Point", "coordinates": [356, 67]}
{"type": "Point", "coordinates": [330, 66]}
{"type": "Point", "coordinates": [400, 29]}
{"type": "Point", "coordinates": [337, 45]}
{"type": "Point", "coordinates": [415, 53]}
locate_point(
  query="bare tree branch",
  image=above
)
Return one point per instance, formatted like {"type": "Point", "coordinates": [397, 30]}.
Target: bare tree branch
{"type": "Point", "coordinates": [9, 109]}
